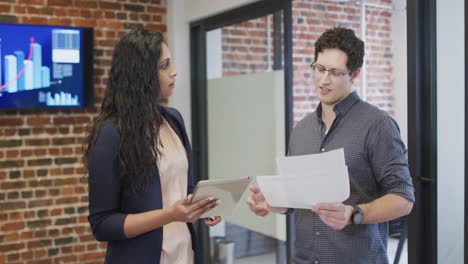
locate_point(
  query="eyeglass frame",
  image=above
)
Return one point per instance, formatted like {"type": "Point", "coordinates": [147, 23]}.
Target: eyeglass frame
{"type": "Point", "coordinates": [335, 73]}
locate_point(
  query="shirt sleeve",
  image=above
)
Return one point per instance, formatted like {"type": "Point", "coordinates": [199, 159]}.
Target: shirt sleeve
{"type": "Point", "coordinates": [105, 217]}
{"type": "Point", "coordinates": [388, 157]}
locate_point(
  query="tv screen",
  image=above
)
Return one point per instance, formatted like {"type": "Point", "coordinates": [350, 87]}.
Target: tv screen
{"type": "Point", "coordinates": [45, 67]}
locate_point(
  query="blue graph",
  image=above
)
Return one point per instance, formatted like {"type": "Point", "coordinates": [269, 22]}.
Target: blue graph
{"type": "Point", "coordinates": [25, 74]}
{"type": "Point", "coordinates": [41, 66]}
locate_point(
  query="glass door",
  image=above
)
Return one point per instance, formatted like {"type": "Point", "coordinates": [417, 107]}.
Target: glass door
{"type": "Point", "coordinates": [241, 96]}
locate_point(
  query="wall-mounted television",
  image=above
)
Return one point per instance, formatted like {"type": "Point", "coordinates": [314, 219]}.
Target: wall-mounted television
{"type": "Point", "coordinates": [45, 66]}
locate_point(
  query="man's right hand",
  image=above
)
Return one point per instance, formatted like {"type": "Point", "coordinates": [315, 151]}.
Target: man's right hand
{"type": "Point", "coordinates": [257, 202]}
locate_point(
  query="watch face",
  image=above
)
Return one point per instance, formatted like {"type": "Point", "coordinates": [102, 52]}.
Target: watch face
{"type": "Point", "coordinates": [358, 215]}
{"type": "Point", "coordinates": [357, 218]}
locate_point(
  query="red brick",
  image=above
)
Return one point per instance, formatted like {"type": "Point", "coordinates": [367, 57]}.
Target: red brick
{"type": "Point", "coordinates": [55, 212]}
{"type": "Point", "coordinates": [13, 257]}
{"type": "Point", "coordinates": [4, 248]}
{"type": "Point", "coordinates": [11, 122]}
{"type": "Point", "coordinates": [5, 8]}
{"type": "Point", "coordinates": [12, 153]}
{"type": "Point", "coordinates": [13, 185]}
{"type": "Point", "coordinates": [86, 4]}
{"type": "Point", "coordinates": [34, 20]}
{"type": "Point", "coordinates": [110, 5]}
{"type": "Point", "coordinates": [8, 227]}
{"type": "Point", "coordinates": [60, 21]}
{"type": "Point", "coordinates": [32, 2]}
{"type": "Point", "coordinates": [28, 255]}
{"type": "Point", "coordinates": [68, 191]}
{"type": "Point", "coordinates": [26, 235]}
{"type": "Point", "coordinates": [84, 22]}
{"type": "Point", "coordinates": [59, 2]}
{"type": "Point", "coordinates": [40, 254]}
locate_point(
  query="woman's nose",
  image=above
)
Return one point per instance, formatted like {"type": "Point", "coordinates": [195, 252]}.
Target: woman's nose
{"type": "Point", "coordinates": [173, 72]}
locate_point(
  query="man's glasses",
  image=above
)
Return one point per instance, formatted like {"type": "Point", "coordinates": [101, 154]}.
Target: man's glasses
{"type": "Point", "coordinates": [321, 70]}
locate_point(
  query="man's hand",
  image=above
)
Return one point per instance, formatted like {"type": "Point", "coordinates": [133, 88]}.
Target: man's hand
{"type": "Point", "coordinates": [334, 215]}
{"type": "Point", "coordinates": [257, 202]}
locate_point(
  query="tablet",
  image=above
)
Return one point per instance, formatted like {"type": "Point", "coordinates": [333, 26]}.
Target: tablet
{"type": "Point", "coordinates": [228, 192]}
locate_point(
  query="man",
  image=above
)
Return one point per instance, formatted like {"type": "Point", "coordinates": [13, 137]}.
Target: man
{"type": "Point", "coordinates": [355, 231]}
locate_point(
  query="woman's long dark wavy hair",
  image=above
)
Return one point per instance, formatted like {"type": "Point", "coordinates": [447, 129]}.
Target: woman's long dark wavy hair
{"type": "Point", "coordinates": [131, 101]}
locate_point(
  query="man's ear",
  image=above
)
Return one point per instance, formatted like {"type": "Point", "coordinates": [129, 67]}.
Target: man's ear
{"type": "Point", "coordinates": [355, 74]}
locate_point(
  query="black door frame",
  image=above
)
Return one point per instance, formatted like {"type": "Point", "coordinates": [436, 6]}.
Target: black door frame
{"type": "Point", "coordinates": [422, 114]}
{"type": "Point", "coordinates": [198, 31]}
{"type": "Point", "coordinates": [422, 129]}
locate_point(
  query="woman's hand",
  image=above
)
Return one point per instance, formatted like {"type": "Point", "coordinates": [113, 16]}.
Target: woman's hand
{"type": "Point", "coordinates": [213, 221]}
{"type": "Point", "coordinates": [183, 211]}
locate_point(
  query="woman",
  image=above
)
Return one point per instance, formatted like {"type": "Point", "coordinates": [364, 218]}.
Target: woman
{"type": "Point", "coordinates": [139, 161]}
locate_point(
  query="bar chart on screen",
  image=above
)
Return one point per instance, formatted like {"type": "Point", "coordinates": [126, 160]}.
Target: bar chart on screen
{"type": "Point", "coordinates": [43, 66]}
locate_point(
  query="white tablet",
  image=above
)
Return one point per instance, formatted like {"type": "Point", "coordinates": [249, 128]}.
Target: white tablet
{"type": "Point", "coordinates": [228, 192]}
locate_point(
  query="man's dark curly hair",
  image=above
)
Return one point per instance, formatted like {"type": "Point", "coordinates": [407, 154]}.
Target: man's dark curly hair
{"type": "Point", "coordinates": [131, 101]}
{"type": "Point", "coordinates": [345, 40]}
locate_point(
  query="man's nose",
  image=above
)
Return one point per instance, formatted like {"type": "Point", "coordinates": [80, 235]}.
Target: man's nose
{"type": "Point", "coordinates": [325, 78]}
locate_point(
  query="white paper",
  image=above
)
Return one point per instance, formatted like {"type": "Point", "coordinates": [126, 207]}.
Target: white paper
{"type": "Point", "coordinates": [300, 165]}
{"type": "Point", "coordinates": [307, 180]}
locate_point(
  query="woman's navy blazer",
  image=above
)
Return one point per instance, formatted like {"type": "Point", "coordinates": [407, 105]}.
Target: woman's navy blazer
{"type": "Point", "coordinates": [110, 201]}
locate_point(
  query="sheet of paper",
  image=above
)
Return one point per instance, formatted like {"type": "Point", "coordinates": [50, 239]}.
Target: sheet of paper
{"type": "Point", "coordinates": [299, 165]}
{"type": "Point", "coordinates": [307, 180]}
{"type": "Point", "coordinates": [306, 190]}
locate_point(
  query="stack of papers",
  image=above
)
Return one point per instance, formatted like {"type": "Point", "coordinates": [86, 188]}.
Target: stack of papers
{"type": "Point", "coordinates": [307, 180]}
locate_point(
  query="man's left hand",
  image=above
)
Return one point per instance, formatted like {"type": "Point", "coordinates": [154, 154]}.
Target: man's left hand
{"type": "Point", "coordinates": [334, 215]}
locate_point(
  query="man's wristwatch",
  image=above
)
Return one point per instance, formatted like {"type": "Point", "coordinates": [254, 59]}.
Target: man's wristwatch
{"type": "Point", "coordinates": [358, 215]}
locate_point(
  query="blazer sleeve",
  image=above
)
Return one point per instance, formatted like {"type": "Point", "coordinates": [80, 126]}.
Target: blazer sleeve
{"type": "Point", "coordinates": [105, 217]}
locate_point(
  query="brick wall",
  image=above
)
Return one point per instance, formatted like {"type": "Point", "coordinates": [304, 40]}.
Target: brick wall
{"type": "Point", "coordinates": [43, 198]}
{"type": "Point", "coordinates": [244, 48]}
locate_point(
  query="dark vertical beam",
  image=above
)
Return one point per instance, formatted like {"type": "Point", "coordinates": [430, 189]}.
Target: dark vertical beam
{"type": "Point", "coordinates": [88, 59]}
{"type": "Point", "coordinates": [288, 106]}
{"type": "Point", "coordinates": [199, 123]}
{"type": "Point", "coordinates": [277, 41]}
{"type": "Point", "coordinates": [422, 129]}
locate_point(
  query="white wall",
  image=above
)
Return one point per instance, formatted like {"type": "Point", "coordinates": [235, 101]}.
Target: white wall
{"type": "Point", "coordinates": [450, 132]}
{"type": "Point", "coordinates": [400, 70]}
{"type": "Point", "coordinates": [214, 58]}
{"type": "Point", "coordinates": [180, 13]}
{"type": "Point", "coordinates": [205, 8]}
{"type": "Point", "coordinates": [178, 38]}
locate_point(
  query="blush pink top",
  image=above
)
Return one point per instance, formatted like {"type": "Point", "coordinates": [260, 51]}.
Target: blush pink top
{"type": "Point", "coordinates": [173, 167]}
